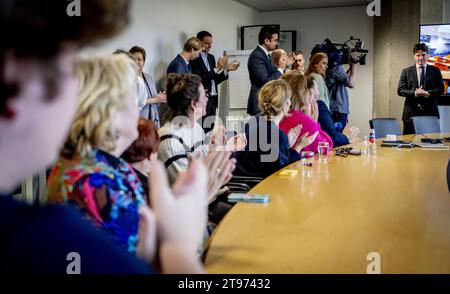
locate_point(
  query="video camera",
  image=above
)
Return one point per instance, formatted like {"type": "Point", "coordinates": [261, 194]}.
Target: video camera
{"type": "Point", "coordinates": [339, 54]}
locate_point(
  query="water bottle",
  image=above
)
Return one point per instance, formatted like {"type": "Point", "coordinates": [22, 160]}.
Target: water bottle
{"type": "Point", "coordinates": [372, 144]}
{"type": "Point", "coordinates": [372, 136]}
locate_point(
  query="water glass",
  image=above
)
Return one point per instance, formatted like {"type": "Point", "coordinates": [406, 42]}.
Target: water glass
{"type": "Point", "coordinates": [323, 148]}
{"type": "Point", "coordinates": [366, 142]}
{"type": "Point", "coordinates": [307, 162]}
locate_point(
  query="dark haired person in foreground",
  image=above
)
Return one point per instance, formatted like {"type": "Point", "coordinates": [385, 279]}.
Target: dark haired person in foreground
{"type": "Point", "coordinates": [37, 103]}
{"type": "Point", "coordinates": [421, 84]}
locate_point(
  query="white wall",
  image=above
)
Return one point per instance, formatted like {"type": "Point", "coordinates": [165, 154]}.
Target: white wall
{"type": "Point", "coordinates": [162, 27]}
{"type": "Point", "coordinates": [338, 24]}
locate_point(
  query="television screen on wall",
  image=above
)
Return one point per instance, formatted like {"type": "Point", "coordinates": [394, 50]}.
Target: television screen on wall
{"type": "Point", "coordinates": [437, 38]}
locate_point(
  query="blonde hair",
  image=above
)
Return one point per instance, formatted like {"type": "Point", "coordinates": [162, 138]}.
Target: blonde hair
{"type": "Point", "coordinates": [193, 43]}
{"type": "Point", "coordinates": [104, 85]}
{"type": "Point", "coordinates": [277, 54]}
{"type": "Point", "coordinates": [272, 97]}
{"type": "Point", "coordinates": [299, 87]}
{"type": "Point", "coordinates": [315, 59]}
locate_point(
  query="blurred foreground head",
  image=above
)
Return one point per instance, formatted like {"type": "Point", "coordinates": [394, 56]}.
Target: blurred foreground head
{"type": "Point", "coordinates": [37, 89]}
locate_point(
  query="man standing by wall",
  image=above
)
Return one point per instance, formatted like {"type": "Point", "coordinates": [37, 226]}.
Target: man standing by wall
{"type": "Point", "coordinates": [191, 51]}
{"type": "Point", "coordinates": [421, 84]}
{"type": "Point", "coordinates": [260, 67]}
{"type": "Point", "coordinates": [212, 75]}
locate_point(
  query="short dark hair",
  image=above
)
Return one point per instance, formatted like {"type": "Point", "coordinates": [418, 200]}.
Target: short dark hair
{"type": "Point", "coordinates": [181, 90]}
{"type": "Point", "coordinates": [201, 35]}
{"type": "Point", "coordinates": [146, 144]}
{"type": "Point", "coordinates": [298, 52]}
{"type": "Point", "coordinates": [420, 47]}
{"type": "Point", "coordinates": [267, 32]}
{"type": "Point", "coordinates": [48, 28]}
{"type": "Point", "coordinates": [137, 49]}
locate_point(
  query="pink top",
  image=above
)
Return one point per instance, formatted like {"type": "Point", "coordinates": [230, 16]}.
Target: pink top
{"type": "Point", "coordinates": [308, 125]}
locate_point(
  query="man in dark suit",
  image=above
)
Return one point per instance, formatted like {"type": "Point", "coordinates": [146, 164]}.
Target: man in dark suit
{"type": "Point", "coordinates": [212, 75]}
{"type": "Point", "coordinates": [260, 67]}
{"type": "Point", "coordinates": [421, 84]}
{"type": "Point", "coordinates": [191, 51]}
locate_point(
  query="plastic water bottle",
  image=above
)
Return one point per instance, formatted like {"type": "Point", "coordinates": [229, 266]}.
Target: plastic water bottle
{"type": "Point", "coordinates": [372, 136]}
{"type": "Point", "coordinates": [372, 144]}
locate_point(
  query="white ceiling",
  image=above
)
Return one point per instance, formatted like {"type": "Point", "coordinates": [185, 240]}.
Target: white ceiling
{"type": "Point", "coordinates": [271, 5]}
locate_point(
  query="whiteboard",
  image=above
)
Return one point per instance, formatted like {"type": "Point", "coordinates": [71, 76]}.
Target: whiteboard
{"type": "Point", "coordinates": [239, 80]}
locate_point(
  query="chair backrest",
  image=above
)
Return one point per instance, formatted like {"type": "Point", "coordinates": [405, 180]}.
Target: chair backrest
{"type": "Point", "coordinates": [426, 124]}
{"type": "Point", "coordinates": [385, 126]}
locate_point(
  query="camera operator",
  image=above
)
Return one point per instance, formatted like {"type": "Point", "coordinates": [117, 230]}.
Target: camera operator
{"type": "Point", "coordinates": [337, 81]}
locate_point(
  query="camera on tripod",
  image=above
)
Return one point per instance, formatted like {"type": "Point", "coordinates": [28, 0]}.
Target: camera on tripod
{"type": "Point", "coordinates": [339, 54]}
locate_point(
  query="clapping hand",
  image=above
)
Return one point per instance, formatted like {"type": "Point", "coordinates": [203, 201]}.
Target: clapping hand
{"type": "Point", "coordinates": [233, 65]}
{"type": "Point", "coordinates": [161, 97]}
{"type": "Point", "coordinates": [293, 135]}
{"type": "Point", "coordinates": [180, 216]}
{"type": "Point", "coordinates": [290, 58]}
{"type": "Point", "coordinates": [222, 62]}
{"type": "Point", "coordinates": [305, 140]}
{"type": "Point", "coordinates": [351, 133]}
{"type": "Point", "coordinates": [236, 143]}
{"type": "Point", "coordinates": [220, 170]}
{"type": "Point", "coordinates": [218, 136]}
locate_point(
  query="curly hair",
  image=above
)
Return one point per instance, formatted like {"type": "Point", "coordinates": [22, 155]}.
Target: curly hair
{"type": "Point", "coordinates": [104, 85]}
{"type": "Point", "coordinates": [272, 97]}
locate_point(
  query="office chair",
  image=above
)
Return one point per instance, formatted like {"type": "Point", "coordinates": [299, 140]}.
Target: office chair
{"type": "Point", "coordinates": [249, 181]}
{"type": "Point", "coordinates": [426, 124]}
{"type": "Point", "coordinates": [385, 126]}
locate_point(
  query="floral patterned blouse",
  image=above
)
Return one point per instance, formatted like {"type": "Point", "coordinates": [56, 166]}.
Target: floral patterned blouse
{"type": "Point", "coordinates": [106, 188]}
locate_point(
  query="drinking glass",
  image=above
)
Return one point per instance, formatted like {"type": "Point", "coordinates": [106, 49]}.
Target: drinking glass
{"type": "Point", "coordinates": [366, 142]}
{"type": "Point", "coordinates": [307, 162]}
{"type": "Point", "coordinates": [323, 148]}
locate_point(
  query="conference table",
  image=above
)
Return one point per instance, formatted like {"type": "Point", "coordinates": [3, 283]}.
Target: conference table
{"type": "Point", "coordinates": [389, 210]}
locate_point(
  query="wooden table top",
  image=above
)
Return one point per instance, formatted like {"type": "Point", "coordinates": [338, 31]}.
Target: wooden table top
{"type": "Point", "coordinates": [395, 203]}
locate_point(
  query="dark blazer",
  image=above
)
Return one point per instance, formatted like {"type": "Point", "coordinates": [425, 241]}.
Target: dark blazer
{"type": "Point", "coordinates": [261, 70]}
{"type": "Point", "coordinates": [178, 65]}
{"type": "Point", "coordinates": [199, 68]}
{"type": "Point", "coordinates": [251, 161]}
{"type": "Point", "coordinates": [327, 124]}
{"type": "Point", "coordinates": [419, 106]}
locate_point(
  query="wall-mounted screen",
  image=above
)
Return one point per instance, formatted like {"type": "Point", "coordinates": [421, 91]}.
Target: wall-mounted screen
{"type": "Point", "coordinates": [437, 38]}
